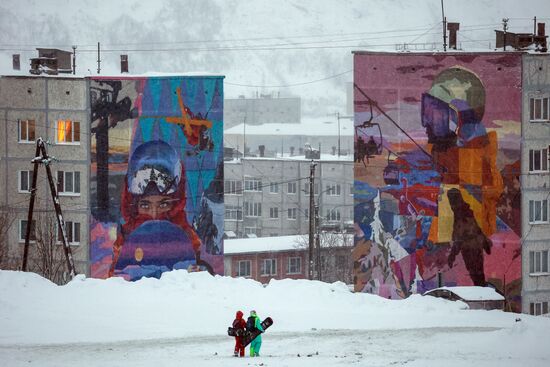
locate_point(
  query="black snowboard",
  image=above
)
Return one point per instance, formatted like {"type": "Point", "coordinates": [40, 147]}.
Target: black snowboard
{"type": "Point", "coordinates": [251, 335]}
{"type": "Point", "coordinates": [247, 335]}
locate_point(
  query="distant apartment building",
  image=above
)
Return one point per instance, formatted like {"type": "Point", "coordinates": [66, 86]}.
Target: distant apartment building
{"type": "Point", "coordinates": [270, 196]}
{"type": "Point", "coordinates": [263, 109]}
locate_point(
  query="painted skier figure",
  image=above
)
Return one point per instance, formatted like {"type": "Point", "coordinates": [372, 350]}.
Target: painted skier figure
{"type": "Point", "coordinates": [240, 325]}
{"type": "Point", "coordinates": [253, 323]}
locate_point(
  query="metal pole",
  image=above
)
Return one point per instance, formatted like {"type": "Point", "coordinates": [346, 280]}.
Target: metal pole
{"type": "Point", "coordinates": [444, 27]}
{"type": "Point", "coordinates": [311, 218]}
{"type": "Point", "coordinates": [35, 161]}
{"type": "Point", "coordinates": [98, 59]}
{"type": "Point", "coordinates": [505, 28]}
{"type": "Point", "coordinates": [338, 116]}
{"type": "Point", "coordinates": [74, 59]}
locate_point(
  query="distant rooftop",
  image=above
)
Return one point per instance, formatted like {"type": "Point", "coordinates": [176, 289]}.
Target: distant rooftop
{"type": "Point", "coordinates": [307, 127]}
{"type": "Point", "coordinates": [272, 244]}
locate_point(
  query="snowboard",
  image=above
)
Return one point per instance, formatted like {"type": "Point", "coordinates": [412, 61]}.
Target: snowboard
{"type": "Point", "coordinates": [251, 335]}
{"type": "Point", "coordinates": [247, 335]}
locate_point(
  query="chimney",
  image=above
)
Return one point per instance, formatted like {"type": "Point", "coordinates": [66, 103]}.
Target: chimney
{"type": "Point", "coordinates": [333, 150]}
{"type": "Point", "coordinates": [452, 28]}
{"type": "Point", "coordinates": [541, 30]}
{"type": "Point", "coordinates": [292, 151]}
{"type": "Point", "coordinates": [123, 63]}
{"type": "Point", "coordinates": [261, 148]}
{"type": "Point", "coordinates": [16, 60]}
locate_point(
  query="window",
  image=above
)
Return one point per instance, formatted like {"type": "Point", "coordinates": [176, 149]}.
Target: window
{"type": "Point", "coordinates": [538, 109]}
{"type": "Point", "coordinates": [243, 268]}
{"type": "Point", "coordinates": [538, 211]}
{"type": "Point", "coordinates": [27, 131]}
{"type": "Point", "coordinates": [291, 187]}
{"type": "Point", "coordinates": [68, 132]}
{"type": "Point", "coordinates": [333, 215]}
{"type": "Point", "coordinates": [252, 209]}
{"type": "Point", "coordinates": [72, 229]}
{"type": "Point", "coordinates": [538, 160]}
{"type": "Point", "coordinates": [294, 265]}
{"type": "Point", "coordinates": [274, 213]}
{"type": "Point", "coordinates": [232, 187]}
{"type": "Point", "coordinates": [273, 188]}
{"type": "Point", "coordinates": [233, 212]}
{"type": "Point", "coordinates": [351, 189]}
{"type": "Point", "coordinates": [273, 234]}
{"type": "Point", "coordinates": [333, 190]}
{"type": "Point", "coordinates": [252, 185]}
{"type": "Point", "coordinates": [538, 308]}
{"type": "Point", "coordinates": [268, 267]}
{"type": "Point", "coordinates": [306, 213]}
{"type": "Point", "coordinates": [25, 181]}
{"type": "Point", "coordinates": [538, 262]}
{"type": "Point", "coordinates": [251, 231]}
{"type": "Point", "coordinates": [315, 188]}
{"type": "Point", "coordinates": [292, 213]}
{"type": "Point", "coordinates": [68, 183]}
{"type": "Point", "coordinates": [23, 230]}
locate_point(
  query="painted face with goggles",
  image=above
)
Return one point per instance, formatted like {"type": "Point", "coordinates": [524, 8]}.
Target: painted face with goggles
{"type": "Point", "coordinates": [453, 108]}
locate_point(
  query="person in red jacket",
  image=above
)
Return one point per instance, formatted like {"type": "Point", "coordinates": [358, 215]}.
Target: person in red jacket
{"type": "Point", "coordinates": [239, 324]}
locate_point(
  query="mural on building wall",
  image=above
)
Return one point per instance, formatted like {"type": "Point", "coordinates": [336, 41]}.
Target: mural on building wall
{"type": "Point", "coordinates": [437, 165]}
{"type": "Point", "coordinates": [156, 176]}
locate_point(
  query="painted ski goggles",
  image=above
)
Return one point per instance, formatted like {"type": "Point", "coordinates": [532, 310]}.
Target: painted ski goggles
{"type": "Point", "coordinates": [445, 119]}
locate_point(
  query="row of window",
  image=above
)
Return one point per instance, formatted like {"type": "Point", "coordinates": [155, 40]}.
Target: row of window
{"type": "Point", "coordinates": [66, 131]}
{"type": "Point", "coordinates": [538, 160]}
{"type": "Point", "coordinates": [68, 182]}
{"type": "Point", "coordinates": [72, 229]}
{"type": "Point", "coordinates": [538, 211]}
{"type": "Point", "coordinates": [252, 209]}
{"type": "Point", "coordinates": [234, 187]}
{"type": "Point", "coordinates": [538, 262]}
{"type": "Point", "coordinates": [268, 267]}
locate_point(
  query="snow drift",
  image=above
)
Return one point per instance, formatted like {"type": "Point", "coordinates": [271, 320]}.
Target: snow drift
{"type": "Point", "coordinates": [180, 304]}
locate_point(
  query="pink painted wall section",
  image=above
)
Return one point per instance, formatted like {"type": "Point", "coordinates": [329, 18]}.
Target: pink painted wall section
{"type": "Point", "coordinates": [437, 167]}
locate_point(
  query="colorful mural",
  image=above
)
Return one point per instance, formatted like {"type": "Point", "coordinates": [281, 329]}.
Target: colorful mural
{"type": "Point", "coordinates": [156, 176]}
{"type": "Point", "coordinates": [437, 165]}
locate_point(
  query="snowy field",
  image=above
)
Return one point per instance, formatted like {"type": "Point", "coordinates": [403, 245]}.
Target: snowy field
{"type": "Point", "coordinates": [182, 319]}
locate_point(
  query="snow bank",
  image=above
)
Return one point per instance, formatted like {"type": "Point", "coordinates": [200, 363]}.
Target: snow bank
{"type": "Point", "coordinates": [180, 304]}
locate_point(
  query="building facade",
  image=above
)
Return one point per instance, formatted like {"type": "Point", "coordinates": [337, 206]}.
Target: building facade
{"type": "Point", "coordinates": [57, 110]}
{"type": "Point", "coordinates": [270, 196]}
{"type": "Point", "coordinates": [437, 172]}
{"type": "Point", "coordinates": [138, 168]}
{"type": "Point", "coordinates": [535, 184]}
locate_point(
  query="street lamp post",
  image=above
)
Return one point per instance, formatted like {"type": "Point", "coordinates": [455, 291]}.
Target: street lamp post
{"type": "Point", "coordinates": [338, 118]}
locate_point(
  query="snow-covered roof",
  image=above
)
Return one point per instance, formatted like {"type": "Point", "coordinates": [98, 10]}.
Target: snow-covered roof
{"type": "Point", "coordinates": [473, 293]}
{"type": "Point", "coordinates": [324, 157]}
{"type": "Point", "coordinates": [307, 127]}
{"type": "Point", "coordinates": [275, 244]}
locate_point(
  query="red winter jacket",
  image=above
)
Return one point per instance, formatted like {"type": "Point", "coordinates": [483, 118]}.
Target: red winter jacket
{"type": "Point", "coordinates": [239, 323]}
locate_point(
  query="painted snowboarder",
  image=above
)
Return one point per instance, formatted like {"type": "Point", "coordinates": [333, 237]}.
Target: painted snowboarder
{"type": "Point", "coordinates": [253, 323]}
{"type": "Point", "coordinates": [240, 326]}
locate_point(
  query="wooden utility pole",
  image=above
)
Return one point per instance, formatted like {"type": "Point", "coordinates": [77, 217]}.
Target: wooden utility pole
{"type": "Point", "coordinates": [311, 218]}
{"type": "Point", "coordinates": [41, 157]}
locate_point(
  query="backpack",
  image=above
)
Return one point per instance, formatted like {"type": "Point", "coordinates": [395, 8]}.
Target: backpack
{"type": "Point", "coordinates": [250, 323]}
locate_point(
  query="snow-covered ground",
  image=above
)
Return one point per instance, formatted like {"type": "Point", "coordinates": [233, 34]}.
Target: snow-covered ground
{"type": "Point", "coordinates": [182, 318]}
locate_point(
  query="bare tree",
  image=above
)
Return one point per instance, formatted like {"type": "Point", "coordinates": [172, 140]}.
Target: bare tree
{"type": "Point", "coordinates": [336, 261]}
{"type": "Point", "coordinates": [6, 221]}
{"type": "Point", "coordinates": [48, 258]}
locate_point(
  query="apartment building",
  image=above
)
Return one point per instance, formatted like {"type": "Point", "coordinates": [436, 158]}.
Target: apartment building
{"type": "Point", "coordinates": [535, 184]}
{"type": "Point", "coordinates": [270, 196]}
{"type": "Point", "coordinates": [57, 110]}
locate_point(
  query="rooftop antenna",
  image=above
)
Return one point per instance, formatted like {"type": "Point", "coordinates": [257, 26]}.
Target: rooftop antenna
{"type": "Point", "coordinates": [444, 27]}
{"type": "Point", "coordinates": [74, 59]}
